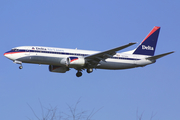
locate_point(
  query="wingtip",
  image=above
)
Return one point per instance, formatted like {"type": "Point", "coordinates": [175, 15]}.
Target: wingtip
{"type": "Point", "coordinates": [132, 43]}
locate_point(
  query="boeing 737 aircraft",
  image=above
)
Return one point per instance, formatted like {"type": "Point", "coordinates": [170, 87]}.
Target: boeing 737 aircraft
{"type": "Point", "coordinates": [61, 60]}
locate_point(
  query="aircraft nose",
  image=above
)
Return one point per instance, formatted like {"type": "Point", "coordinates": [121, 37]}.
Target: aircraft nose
{"type": "Point", "coordinates": [6, 54]}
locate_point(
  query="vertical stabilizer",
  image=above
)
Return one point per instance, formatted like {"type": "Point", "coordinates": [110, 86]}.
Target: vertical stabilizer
{"type": "Point", "coordinates": [148, 45]}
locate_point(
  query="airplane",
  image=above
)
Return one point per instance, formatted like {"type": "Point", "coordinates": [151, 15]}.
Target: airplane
{"type": "Point", "coordinates": [61, 60]}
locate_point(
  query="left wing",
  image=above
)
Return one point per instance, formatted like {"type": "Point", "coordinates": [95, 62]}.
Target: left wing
{"type": "Point", "coordinates": [95, 58]}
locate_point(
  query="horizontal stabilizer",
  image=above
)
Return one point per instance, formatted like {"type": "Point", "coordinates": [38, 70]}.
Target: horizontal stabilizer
{"type": "Point", "coordinates": [159, 56]}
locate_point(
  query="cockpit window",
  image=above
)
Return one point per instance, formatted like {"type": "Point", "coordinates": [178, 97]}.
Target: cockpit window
{"type": "Point", "coordinates": [14, 49]}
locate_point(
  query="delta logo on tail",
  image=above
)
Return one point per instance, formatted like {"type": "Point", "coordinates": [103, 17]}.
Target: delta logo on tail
{"type": "Point", "coordinates": [148, 45]}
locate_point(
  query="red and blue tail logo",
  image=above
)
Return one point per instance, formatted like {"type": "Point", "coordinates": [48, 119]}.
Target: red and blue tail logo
{"type": "Point", "coordinates": [148, 45]}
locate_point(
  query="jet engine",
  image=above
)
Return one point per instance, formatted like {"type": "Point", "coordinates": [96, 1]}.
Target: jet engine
{"type": "Point", "coordinates": [73, 62]}
{"type": "Point", "coordinates": [58, 69]}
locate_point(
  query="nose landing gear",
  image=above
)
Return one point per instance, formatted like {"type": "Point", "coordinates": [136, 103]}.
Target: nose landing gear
{"type": "Point", "coordinates": [20, 67]}
{"type": "Point", "coordinates": [18, 62]}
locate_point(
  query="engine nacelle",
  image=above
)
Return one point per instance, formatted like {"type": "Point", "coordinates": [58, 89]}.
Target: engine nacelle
{"type": "Point", "coordinates": [75, 62]}
{"type": "Point", "coordinates": [59, 69]}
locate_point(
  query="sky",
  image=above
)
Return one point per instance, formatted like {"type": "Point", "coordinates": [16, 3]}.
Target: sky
{"type": "Point", "coordinates": [91, 25]}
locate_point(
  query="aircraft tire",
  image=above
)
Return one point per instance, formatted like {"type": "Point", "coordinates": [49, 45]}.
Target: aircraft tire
{"type": "Point", "coordinates": [20, 67]}
{"type": "Point", "coordinates": [89, 70]}
{"type": "Point", "coordinates": [79, 74]}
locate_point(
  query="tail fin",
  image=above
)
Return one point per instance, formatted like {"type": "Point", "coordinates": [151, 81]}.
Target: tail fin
{"type": "Point", "coordinates": [148, 45]}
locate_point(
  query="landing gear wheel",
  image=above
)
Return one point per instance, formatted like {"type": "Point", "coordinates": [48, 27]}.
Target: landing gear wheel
{"type": "Point", "coordinates": [79, 74]}
{"type": "Point", "coordinates": [20, 67]}
{"type": "Point", "coordinates": [89, 70]}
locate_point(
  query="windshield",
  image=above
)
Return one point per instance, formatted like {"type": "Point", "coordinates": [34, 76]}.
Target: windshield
{"type": "Point", "coordinates": [14, 49]}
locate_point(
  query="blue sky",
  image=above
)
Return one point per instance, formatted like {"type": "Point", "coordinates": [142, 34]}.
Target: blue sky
{"type": "Point", "coordinates": [92, 25]}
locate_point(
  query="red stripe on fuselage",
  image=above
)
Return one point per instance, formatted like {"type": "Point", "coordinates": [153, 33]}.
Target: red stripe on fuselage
{"type": "Point", "coordinates": [12, 53]}
{"type": "Point", "coordinates": [152, 31]}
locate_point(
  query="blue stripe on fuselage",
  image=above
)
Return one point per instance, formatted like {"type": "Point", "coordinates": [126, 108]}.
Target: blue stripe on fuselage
{"type": "Point", "coordinates": [64, 53]}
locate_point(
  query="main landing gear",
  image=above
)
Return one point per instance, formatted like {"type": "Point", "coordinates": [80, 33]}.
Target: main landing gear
{"type": "Point", "coordinates": [89, 70]}
{"type": "Point", "coordinates": [79, 73]}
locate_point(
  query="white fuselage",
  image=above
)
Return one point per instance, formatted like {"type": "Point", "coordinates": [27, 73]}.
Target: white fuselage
{"type": "Point", "coordinates": [54, 56]}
